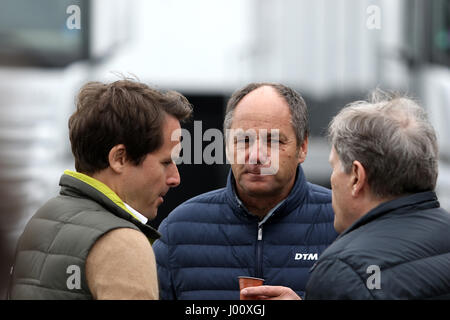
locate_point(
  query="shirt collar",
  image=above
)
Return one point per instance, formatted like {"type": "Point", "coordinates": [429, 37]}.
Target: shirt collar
{"type": "Point", "coordinates": [136, 214]}
{"type": "Point", "coordinates": [267, 216]}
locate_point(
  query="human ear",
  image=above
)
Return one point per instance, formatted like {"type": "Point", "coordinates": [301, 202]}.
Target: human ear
{"type": "Point", "coordinates": [303, 150]}
{"type": "Point", "coordinates": [358, 178]}
{"type": "Point", "coordinates": [117, 158]}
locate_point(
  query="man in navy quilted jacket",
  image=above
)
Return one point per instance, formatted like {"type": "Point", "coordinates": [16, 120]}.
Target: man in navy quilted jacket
{"type": "Point", "coordinates": [268, 222]}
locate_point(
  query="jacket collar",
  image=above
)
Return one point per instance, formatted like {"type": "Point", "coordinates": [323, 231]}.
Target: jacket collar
{"type": "Point", "coordinates": [418, 201]}
{"type": "Point", "coordinates": [78, 184]}
{"type": "Point", "coordinates": [296, 196]}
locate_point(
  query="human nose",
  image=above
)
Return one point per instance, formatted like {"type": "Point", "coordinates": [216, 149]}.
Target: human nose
{"type": "Point", "coordinates": [258, 152]}
{"type": "Point", "coordinates": [173, 178]}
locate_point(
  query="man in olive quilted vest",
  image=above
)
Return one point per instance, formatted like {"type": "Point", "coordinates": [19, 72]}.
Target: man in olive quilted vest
{"type": "Point", "coordinates": [92, 241]}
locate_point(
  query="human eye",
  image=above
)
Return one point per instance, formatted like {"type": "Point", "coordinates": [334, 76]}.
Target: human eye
{"type": "Point", "coordinates": [275, 140]}
{"type": "Point", "coordinates": [167, 162]}
{"type": "Point", "coordinates": [242, 140]}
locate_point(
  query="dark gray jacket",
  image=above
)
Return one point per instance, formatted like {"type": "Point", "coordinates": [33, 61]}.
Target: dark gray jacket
{"type": "Point", "coordinates": [399, 250]}
{"type": "Point", "coordinates": [52, 251]}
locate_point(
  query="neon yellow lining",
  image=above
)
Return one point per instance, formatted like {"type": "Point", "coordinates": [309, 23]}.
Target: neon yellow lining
{"type": "Point", "coordinates": [100, 186]}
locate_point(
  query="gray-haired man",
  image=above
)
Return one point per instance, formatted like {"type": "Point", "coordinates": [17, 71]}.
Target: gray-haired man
{"type": "Point", "coordinates": [394, 240]}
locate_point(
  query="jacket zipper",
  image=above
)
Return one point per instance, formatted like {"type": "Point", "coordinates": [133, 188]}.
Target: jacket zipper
{"type": "Point", "coordinates": [259, 256]}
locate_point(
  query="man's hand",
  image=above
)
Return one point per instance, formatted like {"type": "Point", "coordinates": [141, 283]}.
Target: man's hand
{"type": "Point", "coordinates": [270, 293]}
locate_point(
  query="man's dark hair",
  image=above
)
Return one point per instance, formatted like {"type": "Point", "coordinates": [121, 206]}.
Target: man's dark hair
{"type": "Point", "coordinates": [123, 112]}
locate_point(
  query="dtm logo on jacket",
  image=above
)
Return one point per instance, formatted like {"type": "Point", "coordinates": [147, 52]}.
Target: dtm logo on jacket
{"type": "Point", "coordinates": [306, 256]}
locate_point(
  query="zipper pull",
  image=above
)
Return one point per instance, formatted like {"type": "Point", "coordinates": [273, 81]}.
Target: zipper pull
{"type": "Point", "coordinates": [260, 233]}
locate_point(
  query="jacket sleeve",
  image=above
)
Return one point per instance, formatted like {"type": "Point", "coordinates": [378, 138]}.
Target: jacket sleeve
{"type": "Point", "coordinates": [161, 249]}
{"type": "Point", "coordinates": [334, 279]}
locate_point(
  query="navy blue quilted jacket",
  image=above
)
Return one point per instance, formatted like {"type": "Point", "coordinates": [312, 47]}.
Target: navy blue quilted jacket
{"type": "Point", "coordinates": [210, 240]}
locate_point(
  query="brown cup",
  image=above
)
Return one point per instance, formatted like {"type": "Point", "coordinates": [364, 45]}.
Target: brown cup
{"type": "Point", "coordinates": [245, 282]}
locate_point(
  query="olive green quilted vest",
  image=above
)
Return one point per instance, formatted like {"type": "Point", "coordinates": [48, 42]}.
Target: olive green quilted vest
{"type": "Point", "coordinates": [52, 251]}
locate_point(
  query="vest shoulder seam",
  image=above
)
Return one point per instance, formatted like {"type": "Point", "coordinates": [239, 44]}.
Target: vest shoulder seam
{"type": "Point", "coordinates": [52, 253]}
{"type": "Point", "coordinates": [82, 225]}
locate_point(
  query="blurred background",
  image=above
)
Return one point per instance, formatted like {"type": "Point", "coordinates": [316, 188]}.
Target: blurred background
{"type": "Point", "coordinates": [331, 51]}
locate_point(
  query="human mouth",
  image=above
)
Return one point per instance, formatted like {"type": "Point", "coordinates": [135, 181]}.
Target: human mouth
{"type": "Point", "coordinates": [254, 174]}
{"type": "Point", "coordinates": [162, 195]}
{"type": "Point", "coordinates": [255, 171]}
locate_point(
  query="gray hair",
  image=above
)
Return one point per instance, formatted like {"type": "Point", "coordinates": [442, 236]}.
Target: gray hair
{"type": "Point", "coordinates": [297, 106]}
{"type": "Point", "coordinates": [392, 138]}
